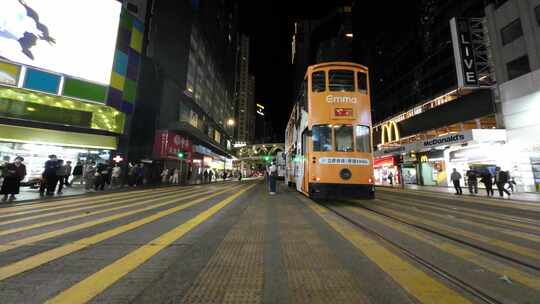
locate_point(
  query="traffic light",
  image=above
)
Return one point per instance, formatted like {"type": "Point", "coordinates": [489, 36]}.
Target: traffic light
{"type": "Point", "coordinates": [267, 158]}
{"type": "Point", "coordinates": [181, 155]}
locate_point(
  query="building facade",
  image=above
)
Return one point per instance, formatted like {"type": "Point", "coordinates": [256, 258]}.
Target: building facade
{"type": "Point", "coordinates": [514, 32]}
{"type": "Point", "coordinates": [72, 99]}
{"type": "Point", "coordinates": [426, 124]}
{"type": "Point", "coordinates": [186, 95]}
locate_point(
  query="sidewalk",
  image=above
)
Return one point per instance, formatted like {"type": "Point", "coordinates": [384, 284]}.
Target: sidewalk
{"type": "Point", "coordinates": [519, 196]}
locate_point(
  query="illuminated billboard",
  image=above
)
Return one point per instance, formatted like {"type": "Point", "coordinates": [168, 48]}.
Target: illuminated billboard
{"type": "Point", "coordinates": [73, 37]}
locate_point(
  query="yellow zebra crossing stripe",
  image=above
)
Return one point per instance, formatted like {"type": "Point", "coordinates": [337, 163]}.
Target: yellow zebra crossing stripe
{"type": "Point", "coordinates": [53, 254]}
{"type": "Point", "coordinates": [90, 287]}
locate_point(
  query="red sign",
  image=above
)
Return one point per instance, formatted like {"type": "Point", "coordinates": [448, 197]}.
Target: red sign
{"type": "Point", "coordinates": [343, 112]}
{"type": "Point", "coordinates": [168, 144]}
{"type": "Point", "coordinates": [388, 161]}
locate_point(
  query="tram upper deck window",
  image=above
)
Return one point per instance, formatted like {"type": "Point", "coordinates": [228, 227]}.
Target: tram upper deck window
{"type": "Point", "coordinates": [344, 138]}
{"type": "Point", "coordinates": [322, 138]}
{"type": "Point", "coordinates": [341, 81]}
{"type": "Point", "coordinates": [362, 82]}
{"type": "Point", "coordinates": [362, 139]}
{"type": "Point", "coordinates": [318, 81]}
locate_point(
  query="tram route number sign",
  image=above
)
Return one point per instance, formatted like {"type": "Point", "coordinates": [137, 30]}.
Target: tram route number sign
{"type": "Point", "coordinates": [343, 161]}
{"type": "Point", "coordinates": [464, 54]}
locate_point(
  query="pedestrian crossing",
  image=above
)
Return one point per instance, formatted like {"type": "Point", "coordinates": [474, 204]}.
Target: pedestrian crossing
{"type": "Point", "coordinates": [282, 248]}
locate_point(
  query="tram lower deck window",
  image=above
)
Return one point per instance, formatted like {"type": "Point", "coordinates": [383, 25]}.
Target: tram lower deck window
{"type": "Point", "coordinates": [322, 138]}
{"type": "Point", "coordinates": [344, 138]}
{"type": "Point", "coordinates": [362, 139]}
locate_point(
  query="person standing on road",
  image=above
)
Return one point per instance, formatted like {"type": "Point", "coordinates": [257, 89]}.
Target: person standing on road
{"type": "Point", "coordinates": [272, 174]}
{"type": "Point", "coordinates": [390, 178]}
{"type": "Point", "coordinates": [501, 178]}
{"type": "Point", "coordinates": [115, 176]}
{"type": "Point", "coordinates": [102, 176]}
{"type": "Point", "coordinates": [456, 177]}
{"type": "Point", "coordinates": [164, 176]}
{"type": "Point", "coordinates": [49, 179]}
{"type": "Point", "coordinates": [511, 182]}
{"type": "Point", "coordinates": [13, 174]}
{"type": "Point", "coordinates": [61, 175]}
{"type": "Point", "coordinates": [89, 176]}
{"type": "Point", "coordinates": [472, 181]}
{"type": "Point", "coordinates": [68, 170]}
{"type": "Point", "coordinates": [487, 180]}
{"type": "Point", "coordinates": [174, 176]}
{"type": "Point", "coordinates": [77, 173]}
{"type": "Point", "coordinates": [210, 175]}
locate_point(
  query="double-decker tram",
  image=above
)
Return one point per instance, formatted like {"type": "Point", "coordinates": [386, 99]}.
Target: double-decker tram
{"type": "Point", "coordinates": [328, 136]}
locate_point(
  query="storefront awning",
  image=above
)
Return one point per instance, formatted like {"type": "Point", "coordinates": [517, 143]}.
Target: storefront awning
{"type": "Point", "coordinates": [57, 138]}
{"type": "Point", "coordinates": [474, 136]}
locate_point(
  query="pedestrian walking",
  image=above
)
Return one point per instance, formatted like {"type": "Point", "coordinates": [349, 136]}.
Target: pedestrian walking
{"type": "Point", "coordinates": [511, 182]}
{"type": "Point", "coordinates": [174, 176]}
{"type": "Point", "coordinates": [205, 176]}
{"type": "Point", "coordinates": [390, 178]}
{"type": "Point", "coordinates": [456, 177]}
{"type": "Point", "coordinates": [89, 176]}
{"type": "Point", "coordinates": [165, 176]}
{"type": "Point", "coordinates": [77, 173]}
{"type": "Point", "coordinates": [102, 176]}
{"type": "Point", "coordinates": [210, 175]}
{"type": "Point", "coordinates": [501, 178]}
{"type": "Point", "coordinates": [13, 174]}
{"type": "Point", "coordinates": [140, 175]}
{"type": "Point", "coordinates": [49, 177]}
{"type": "Point", "coordinates": [272, 175]}
{"type": "Point", "coordinates": [487, 180]}
{"type": "Point", "coordinates": [61, 173]}
{"type": "Point", "coordinates": [115, 176]}
{"type": "Point", "coordinates": [472, 181]}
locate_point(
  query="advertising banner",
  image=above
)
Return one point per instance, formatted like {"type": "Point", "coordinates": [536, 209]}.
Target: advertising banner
{"type": "Point", "coordinates": [9, 73]}
{"type": "Point", "coordinates": [169, 145]}
{"type": "Point", "coordinates": [73, 37]}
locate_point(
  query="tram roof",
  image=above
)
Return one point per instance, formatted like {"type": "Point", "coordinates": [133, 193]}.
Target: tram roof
{"type": "Point", "coordinates": [337, 63]}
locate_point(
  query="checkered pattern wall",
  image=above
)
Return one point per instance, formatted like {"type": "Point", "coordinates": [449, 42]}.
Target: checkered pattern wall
{"type": "Point", "coordinates": [123, 89]}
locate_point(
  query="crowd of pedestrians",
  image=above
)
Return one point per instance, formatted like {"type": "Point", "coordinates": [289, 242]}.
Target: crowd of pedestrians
{"type": "Point", "coordinates": [501, 179]}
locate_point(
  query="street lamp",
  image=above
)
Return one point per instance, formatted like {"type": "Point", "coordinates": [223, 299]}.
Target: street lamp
{"type": "Point", "coordinates": [230, 122]}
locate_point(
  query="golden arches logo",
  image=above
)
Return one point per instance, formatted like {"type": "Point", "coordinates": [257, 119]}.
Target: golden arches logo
{"type": "Point", "coordinates": [390, 132]}
{"type": "Point", "coordinates": [424, 159]}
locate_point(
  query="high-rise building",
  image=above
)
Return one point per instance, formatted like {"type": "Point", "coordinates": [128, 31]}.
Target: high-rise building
{"type": "Point", "coordinates": [425, 122]}
{"type": "Point", "coordinates": [323, 39]}
{"type": "Point", "coordinates": [251, 109]}
{"type": "Point", "coordinates": [186, 115]}
{"type": "Point", "coordinates": [245, 90]}
{"type": "Point", "coordinates": [513, 27]}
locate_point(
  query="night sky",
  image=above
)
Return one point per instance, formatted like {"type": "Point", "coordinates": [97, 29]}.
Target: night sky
{"type": "Point", "coordinates": [270, 26]}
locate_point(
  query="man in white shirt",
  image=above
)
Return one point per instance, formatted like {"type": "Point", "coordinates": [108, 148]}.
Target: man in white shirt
{"type": "Point", "coordinates": [272, 174]}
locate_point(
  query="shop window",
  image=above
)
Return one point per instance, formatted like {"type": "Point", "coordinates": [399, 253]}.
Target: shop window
{"type": "Point", "coordinates": [518, 67]}
{"type": "Point", "coordinates": [363, 143]}
{"type": "Point", "coordinates": [362, 82]}
{"type": "Point", "coordinates": [344, 138]}
{"type": "Point", "coordinates": [322, 138]}
{"type": "Point", "coordinates": [318, 81]}
{"type": "Point", "coordinates": [341, 81]}
{"type": "Point", "coordinates": [511, 32]}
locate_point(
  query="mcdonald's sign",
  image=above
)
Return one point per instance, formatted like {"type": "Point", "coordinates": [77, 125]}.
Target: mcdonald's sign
{"type": "Point", "coordinates": [389, 133]}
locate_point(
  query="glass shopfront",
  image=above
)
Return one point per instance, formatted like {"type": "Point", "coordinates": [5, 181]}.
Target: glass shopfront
{"type": "Point", "coordinates": [35, 155]}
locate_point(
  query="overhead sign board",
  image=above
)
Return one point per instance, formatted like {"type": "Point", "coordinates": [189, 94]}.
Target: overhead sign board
{"type": "Point", "coordinates": [464, 53]}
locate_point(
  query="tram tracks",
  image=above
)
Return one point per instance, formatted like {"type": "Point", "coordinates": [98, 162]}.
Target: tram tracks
{"type": "Point", "coordinates": [455, 280]}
